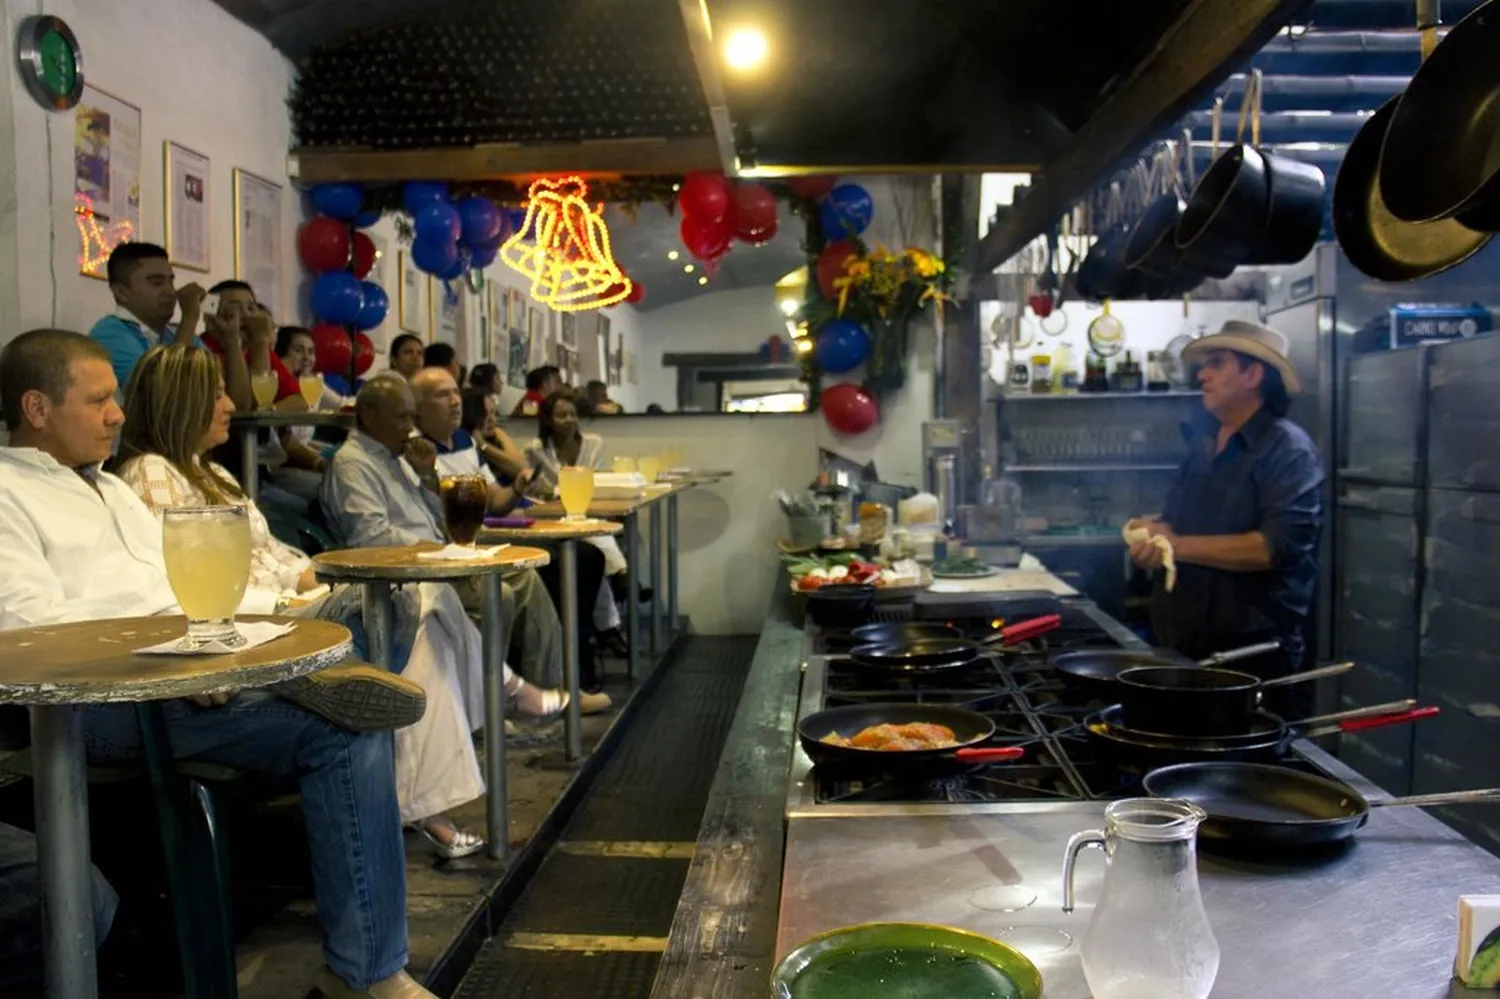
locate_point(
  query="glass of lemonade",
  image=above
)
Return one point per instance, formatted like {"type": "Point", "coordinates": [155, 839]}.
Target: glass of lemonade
{"type": "Point", "coordinates": [263, 386]}
{"type": "Point", "coordinates": [311, 387]}
{"type": "Point", "coordinates": [624, 466]}
{"type": "Point", "coordinates": [207, 554]}
{"type": "Point", "coordinates": [648, 465]}
{"type": "Point", "coordinates": [575, 487]}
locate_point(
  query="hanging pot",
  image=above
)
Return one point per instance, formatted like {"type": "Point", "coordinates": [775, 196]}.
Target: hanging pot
{"type": "Point", "coordinates": [1374, 240]}
{"type": "Point", "coordinates": [1296, 195]}
{"type": "Point", "coordinates": [1441, 158]}
{"type": "Point", "coordinates": [1225, 219]}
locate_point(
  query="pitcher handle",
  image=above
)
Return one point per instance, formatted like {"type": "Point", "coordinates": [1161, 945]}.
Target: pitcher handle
{"type": "Point", "coordinates": [1076, 845]}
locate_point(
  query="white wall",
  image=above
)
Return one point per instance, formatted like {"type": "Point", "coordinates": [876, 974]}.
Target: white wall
{"type": "Point", "coordinates": [727, 531]}
{"type": "Point", "coordinates": [200, 78]}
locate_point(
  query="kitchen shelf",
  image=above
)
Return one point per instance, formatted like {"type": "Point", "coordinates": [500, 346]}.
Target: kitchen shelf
{"type": "Point", "coordinates": [1079, 466]}
{"type": "Point", "coordinates": [1004, 397]}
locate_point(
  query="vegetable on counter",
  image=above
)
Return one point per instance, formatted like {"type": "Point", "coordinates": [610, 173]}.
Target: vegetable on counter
{"type": "Point", "coordinates": [813, 572]}
{"type": "Point", "coordinates": [960, 565]}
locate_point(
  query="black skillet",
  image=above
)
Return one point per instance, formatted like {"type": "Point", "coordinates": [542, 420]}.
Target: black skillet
{"type": "Point", "coordinates": [936, 655]}
{"type": "Point", "coordinates": [1091, 674]}
{"type": "Point", "coordinates": [1255, 805]}
{"type": "Point", "coordinates": [896, 632]}
{"type": "Point", "coordinates": [1198, 700]}
{"type": "Point", "coordinates": [970, 728]}
{"type": "Point", "coordinates": [1268, 739]}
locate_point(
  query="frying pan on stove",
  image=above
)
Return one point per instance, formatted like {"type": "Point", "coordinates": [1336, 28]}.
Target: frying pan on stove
{"type": "Point", "coordinates": [897, 632]}
{"type": "Point", "coordinates": [935, 655]}
{"type": "Point", "coordinates": [1091, 674]}
{"type": "Point", "coordinates": [1255, 805]}
{"type": "Point", "coordinates": [970, 728]}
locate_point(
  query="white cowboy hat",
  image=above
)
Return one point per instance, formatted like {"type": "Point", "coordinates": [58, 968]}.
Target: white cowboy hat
{"type": "Point", "coordinates": [1260, 342]}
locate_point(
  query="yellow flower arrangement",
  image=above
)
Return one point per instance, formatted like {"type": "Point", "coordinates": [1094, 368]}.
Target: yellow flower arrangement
{"type": "Point", "coordinates": [889, 282]}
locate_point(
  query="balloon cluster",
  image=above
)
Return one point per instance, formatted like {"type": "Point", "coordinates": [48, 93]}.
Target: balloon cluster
{"type": "Point", "coordinates": [333, 247]}
{"type": "Point", "coordinates": [715, 213]}
{"type": "Point", "coordinates": [453, 237]}
{"type": "Point", "coordinates": [844, 212]}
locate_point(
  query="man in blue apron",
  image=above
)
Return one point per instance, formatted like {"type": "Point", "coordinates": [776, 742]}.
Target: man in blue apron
{"type": "Point", "coordinates": [1244, 515]}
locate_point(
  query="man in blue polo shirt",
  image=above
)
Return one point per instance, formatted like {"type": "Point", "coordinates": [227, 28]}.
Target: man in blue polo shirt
{"type": "Point", "coordinates": [1244, 516]}
{"type": "Point", "coordinates": [146, 297]}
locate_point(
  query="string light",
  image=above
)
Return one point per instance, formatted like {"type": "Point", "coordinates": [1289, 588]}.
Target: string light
{"type": "Point", "coordinates": [97, 242]}
{"type": "Point", "coordinates": [569, 263]}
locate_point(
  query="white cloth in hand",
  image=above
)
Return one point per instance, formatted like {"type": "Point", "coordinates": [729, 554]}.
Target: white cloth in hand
{"type": "Point", "coordinates": [254, 632]}
{"type": "Point", "coordinates": [461, 553]}
{"type": "Point", "coordinates": [1135, 534]}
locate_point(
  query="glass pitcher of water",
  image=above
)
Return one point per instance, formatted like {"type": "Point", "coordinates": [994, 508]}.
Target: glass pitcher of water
{"type": "Point", "coordinates": [1149, 937]}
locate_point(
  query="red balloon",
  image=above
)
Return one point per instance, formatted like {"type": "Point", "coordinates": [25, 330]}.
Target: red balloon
{"type": "Point", "coordinates": [364, 255]}
{"type": "Point", "coordinates": [364, 354]}
{"type": "Point", "coordinates": [831, 263]}
{"type": "Point", "coordinates": [334, 349]}
{"type": "Point", "coordinates": [637, 292]}
{"type": "Point", "coordinates": [705, 240]}
{"type": "Point", "coordinates": [761, 236]}
{"type": "Point", "coordinates": [704, 196]}
{"type": "Point", "coordinates": [323, 244]}
{"type": "Point", "coordinates": [754, 210]}
{"type": "Point", "coordinates": [815, 188]}
{"type": "Point", "coordinates": [849, 409]}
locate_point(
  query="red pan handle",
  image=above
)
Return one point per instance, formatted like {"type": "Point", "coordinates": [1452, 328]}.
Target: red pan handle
{"type": "Point", "coordinates": [1376, 721]}
{"type": "Point", "coordinates": [1022, 630]}
{"type": "Point", "coordinates": [999, 755]}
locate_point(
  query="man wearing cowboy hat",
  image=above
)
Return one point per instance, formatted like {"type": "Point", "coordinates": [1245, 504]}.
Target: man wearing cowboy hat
{"type": "Point", "coordinates": [1244, 514]}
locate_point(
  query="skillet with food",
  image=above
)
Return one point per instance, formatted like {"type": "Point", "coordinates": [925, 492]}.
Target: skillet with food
{"type": "Point", "coordinates": [899, 738]}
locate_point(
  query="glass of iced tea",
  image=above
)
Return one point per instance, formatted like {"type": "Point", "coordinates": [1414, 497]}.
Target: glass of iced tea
{"type": "Point", "coordinates": [465, 499]}
{"type": "Point", "coordinates": [207, 555]}
{"type": "Point", "coordinates": [575, 487]}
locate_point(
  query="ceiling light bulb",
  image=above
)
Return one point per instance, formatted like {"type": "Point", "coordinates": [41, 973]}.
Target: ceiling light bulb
{"type": "Point", "coordinates": [803, 346]}
{"type": "Point", "coordinates": [745, 48]}
{"type": "Point", "coordinates": [703, 280]}
{"type": "Point", "coordinates": [688, 268]}
{"type": "Point", "coordinates": [673, 254]}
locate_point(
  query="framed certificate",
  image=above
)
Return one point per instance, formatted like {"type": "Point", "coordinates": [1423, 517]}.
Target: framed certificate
{"type": "Point", "coordinates": [257, 237]}
{"type": "Point", "coordinates": [185, 195]}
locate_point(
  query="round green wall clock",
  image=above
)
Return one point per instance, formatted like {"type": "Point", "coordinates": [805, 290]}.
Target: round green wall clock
{"type": "Point", "coordinates": [50, 61]}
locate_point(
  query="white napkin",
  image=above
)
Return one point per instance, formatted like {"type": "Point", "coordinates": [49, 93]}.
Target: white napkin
{"type": "Point", "coordinates": [460, 553]}
{"type": "Point", "coordinates": [1134, 534]}
{"type": "Point", "coordinates": [254, 632]}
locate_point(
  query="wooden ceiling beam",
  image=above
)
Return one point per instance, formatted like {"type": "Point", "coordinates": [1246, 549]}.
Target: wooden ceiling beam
{"type": "Point", "coordinates": [506, 161]}
{"type": "Point", "coordinates": [1208, 39]}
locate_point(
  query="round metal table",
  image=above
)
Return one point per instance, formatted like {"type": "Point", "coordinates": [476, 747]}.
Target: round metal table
{"type": "Point", "coordinates": [378, 569]}
{"type": "Point", "coordinates": [249, 425]}
{"type": "Point", "coordinates": [565, 534]}
{"type": "Point", "coordinates": [52, 669]}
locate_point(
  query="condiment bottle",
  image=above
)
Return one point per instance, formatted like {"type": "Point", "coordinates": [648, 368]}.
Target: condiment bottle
{"type": "Point", "coordinates": [1041, 374]}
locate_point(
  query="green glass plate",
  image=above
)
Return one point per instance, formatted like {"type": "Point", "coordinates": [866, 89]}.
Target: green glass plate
{"type": "Point", "coordinates": [904, 961]}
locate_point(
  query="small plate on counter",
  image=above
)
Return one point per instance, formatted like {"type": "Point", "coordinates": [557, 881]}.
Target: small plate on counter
{"type": "Point", "coordinates": [911, 960]}
{"type": "Point", "coordinates": [963, 568]}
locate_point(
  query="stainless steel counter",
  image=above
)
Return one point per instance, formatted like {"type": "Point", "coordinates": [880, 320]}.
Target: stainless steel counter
{"type": "Point", "coordinates": [1378, 919]}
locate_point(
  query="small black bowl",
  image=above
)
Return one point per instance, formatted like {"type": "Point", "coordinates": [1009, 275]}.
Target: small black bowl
{"type": "Point", "coordinates": [841, 605]}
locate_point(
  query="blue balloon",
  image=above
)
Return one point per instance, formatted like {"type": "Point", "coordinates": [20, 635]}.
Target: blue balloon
{"type": "Point", "coordinates": [434, 256]}
{"type": "Point", "coordinates": [417, 193]}
{"type": "Point", "coordinates": [515, 218]}
{"type": "Point", "coordinates": [367, 218]}
{"type": "Point", "coordinates": [338, 383]}
{"type": "Point", "coordinates": [377, 304]}
{"type": "Point", "coordinates": [437, 221]}
{"type": "Point", "coordinates": [483, 255]}
{"type": "Point", "coordinates": [846, 212]}
{"type": "Point", "coordinates": [842, 346]}
{"type": "Point", "coordinates": [337, 297]}
{"type": "Point", "coordinates": [481, 221]}
{"type": "Point", "coordinates": [340, 201]}
{"type": "Point", "coordinates": [460, 264]}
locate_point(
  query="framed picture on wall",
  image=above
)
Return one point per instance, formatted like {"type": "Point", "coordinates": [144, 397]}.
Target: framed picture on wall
{"type": "Point", "coordinates": [567, 330]}
{"type": "Point", "coordinates": [630, 367]}
{"type": "Point", "coordinates": [604, 354]}
{"type": "Point", "coordinates": [539, 347]}
{"type": "Point", "coordinates": [106, 176]}
{"type": "Point", "coordinates": [409, 297]}
{"type": "Point", "coordinates": [185, 194]}
{"type": "Point", "coordinates": [257, 237]}
{"type": "Point", "coordinates": [497, 346]}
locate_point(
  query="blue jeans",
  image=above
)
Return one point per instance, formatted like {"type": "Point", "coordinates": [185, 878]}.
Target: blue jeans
{"type": "Point", "coordinates": [21, 914]}
{"type": "Point", "coordinates": [348, 803]}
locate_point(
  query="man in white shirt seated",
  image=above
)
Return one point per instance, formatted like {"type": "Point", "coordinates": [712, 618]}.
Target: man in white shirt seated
{"type": "Point", "coordinates": [381, 489]}
{"type": "Point", "coordinates": [439, 415]}
{"type": "Point", "coordinates": [80, 545]}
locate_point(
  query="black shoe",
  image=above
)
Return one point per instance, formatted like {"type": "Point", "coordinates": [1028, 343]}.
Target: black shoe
{"type": "Point", "coordinates": [613, 642]}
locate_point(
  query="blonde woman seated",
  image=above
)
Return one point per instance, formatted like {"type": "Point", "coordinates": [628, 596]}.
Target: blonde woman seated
{"type": "Point", "coordinates": [176, 411]}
